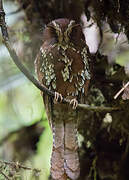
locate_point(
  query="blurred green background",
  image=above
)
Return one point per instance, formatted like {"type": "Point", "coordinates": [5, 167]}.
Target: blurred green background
{"type": "Point", "coordinates": [21, 108]}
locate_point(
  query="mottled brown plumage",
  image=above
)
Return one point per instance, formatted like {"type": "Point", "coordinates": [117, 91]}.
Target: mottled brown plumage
{"type": "Point", "coordinates": [62, 65]}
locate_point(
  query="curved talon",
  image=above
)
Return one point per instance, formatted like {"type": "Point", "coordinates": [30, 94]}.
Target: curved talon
{"type": "Point", "coordinates": [74, 102]}
{"type": "Point", "coordinates": [57, 96]}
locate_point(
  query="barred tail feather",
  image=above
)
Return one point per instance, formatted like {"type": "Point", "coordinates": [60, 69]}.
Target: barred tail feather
{"type": "Point", "coordinates": [71, 165]}
{"type": "Point", "coordinates": [64, 159]}
{"type": "Point", "coordinates": [57, 158]}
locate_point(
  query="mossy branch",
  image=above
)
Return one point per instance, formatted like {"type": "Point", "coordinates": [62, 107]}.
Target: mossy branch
{"type": "Point", "coordinates": [14, 167]}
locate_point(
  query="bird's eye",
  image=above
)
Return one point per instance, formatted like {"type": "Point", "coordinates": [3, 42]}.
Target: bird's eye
{"type": "Point", "coordinates": [72, 32]}
{"type": "Point", "coordinates": [76, 33]}
{"type": "Point", "coordinates": [53, 31]}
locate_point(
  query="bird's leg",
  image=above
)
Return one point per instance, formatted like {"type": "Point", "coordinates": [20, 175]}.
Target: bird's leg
{"type": "Point", "coordinates": [57, 97]}
{"type": "Point", "coordinates": [74, 103]}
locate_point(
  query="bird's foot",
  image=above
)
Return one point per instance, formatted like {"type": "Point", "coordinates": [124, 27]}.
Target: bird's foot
{"type": "Point", "coordinates": [57, 97]}
{"type": "Point", "coordinates": [74, 103]}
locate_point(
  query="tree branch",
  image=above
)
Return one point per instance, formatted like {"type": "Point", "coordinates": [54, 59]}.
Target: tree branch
{"type": "Point", "coordinates": [98, 108]}
{"type": "Point", "coordinates": [16, 166]}
{"type": "Point", "coordinates": [23, 69]}
{"type": "Point", "coordinates": [121, 90]}
{"type": "Point", "coordinates": [1, 172]}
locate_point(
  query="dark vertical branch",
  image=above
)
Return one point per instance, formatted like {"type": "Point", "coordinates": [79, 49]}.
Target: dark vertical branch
{"type": "Point", "coordinates": [2, 22]}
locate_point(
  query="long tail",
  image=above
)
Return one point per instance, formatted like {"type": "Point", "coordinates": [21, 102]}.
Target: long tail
{"type": "Point", "coordinates": [71, 165]}
{"type": "Point", "coordinates": [55, 118]}
{"type": "Point", "coordinates": [57, 158]}
{"type": "Point", "coordinates": [64, 159]}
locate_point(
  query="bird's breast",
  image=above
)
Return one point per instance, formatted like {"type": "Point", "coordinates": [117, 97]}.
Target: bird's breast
{"type": "Point", "coordinates": [64, 69]}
